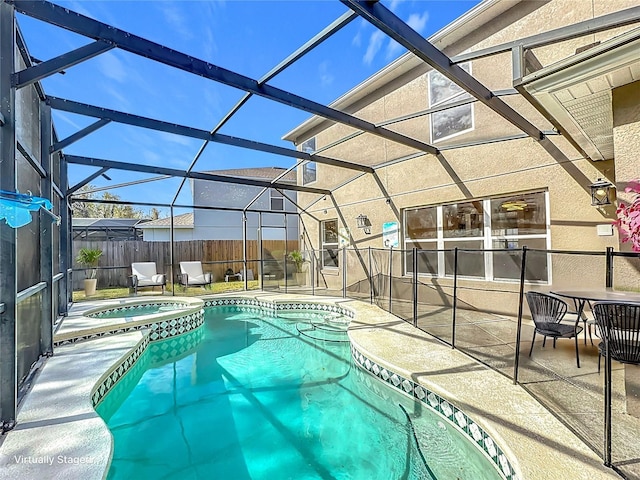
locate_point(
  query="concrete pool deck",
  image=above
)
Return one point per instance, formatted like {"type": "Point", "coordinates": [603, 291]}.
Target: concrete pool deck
{"type": "Point", "coordinates": [59, 434]}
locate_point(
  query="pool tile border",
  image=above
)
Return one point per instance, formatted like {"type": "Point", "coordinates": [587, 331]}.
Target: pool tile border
{"type": "Point", "coordinates": [456, 417]}
{"type": "Point", "coordinates": [161, 328]}
{"type": "Point", "coordinates": [117, 372]}
{"type": "Point", "coordinates": [274, 307]}
{"type": "Point", "coordinates": [177, 346]}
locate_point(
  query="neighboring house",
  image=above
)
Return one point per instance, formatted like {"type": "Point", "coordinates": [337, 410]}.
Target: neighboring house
{"type": "Point", "coordinates": [488, 184]}
{"type": "Point", "coordinates": [100, 229]}
{"type": "Point", "coordinates": [209, 224]}
{"type": "Point", "coordinates": [160, 230]}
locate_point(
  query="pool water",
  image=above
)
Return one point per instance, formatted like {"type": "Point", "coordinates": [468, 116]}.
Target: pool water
{"type": "Point", "coordinates": [260, 398]}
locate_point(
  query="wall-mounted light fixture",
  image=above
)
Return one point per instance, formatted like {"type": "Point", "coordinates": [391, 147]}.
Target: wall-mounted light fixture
{"type": "Point", "coordinates": [363, 222]}
{"type": "Point", "coordinates": [601, 192]}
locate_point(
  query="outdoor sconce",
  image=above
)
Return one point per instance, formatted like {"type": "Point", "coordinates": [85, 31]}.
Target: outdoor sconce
{"type": "Point", "coordinates": [363, 222]}
{"type": "Point", "coordinates": [600, 192]}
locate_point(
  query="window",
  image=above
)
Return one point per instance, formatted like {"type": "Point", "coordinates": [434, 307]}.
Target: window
{"type": "Point", "coordinates": [463, 227]}
{"type": "Point", "coordinates": [505, 223]}
{"type": "Point", "coordinates": [309, 168]}
{"type": "Point", "coordinates": [309, 173]}
{"type": "Point", "coordinates": [277, 200]}
{"type": "Point", "coordinates": [452, 121]}
{"type": "Point", "coordinates": [421, 227]}
{"type": "Point", "coordinates": [517, 222]}
{"type": "Point", "coordinates": [330, 244]}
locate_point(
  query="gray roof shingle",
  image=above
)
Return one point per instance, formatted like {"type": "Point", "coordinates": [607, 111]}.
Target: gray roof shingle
{"type": "Point", "coordinates": [185, 220]}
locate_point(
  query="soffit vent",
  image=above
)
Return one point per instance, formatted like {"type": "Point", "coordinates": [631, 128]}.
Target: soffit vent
{"type": "Point", "coordinates": [576, 92]}
{"type": "Point", "coordinates": [594, 116]}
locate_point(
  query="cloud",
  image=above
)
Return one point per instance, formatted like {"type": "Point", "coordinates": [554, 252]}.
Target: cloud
{"type": "Point", "coordinates": [213, 103]}
{"type": "Point", "coordinates": [78, 7]}
{"type": "Point", "coordinates": [357, 40]}
{"type": "Point", "coordinates": [176, 20]}
{"type": "Point", "coordinates": [375, 43]}
{"type": "Point", "coordinates": [394, 5]}
{"type": "Point", "coordinates": [145, 147]}
{"type": "Point", "coordinates": [209, 45]}
{"type": "Point", "coordinates": [218, 4]}
{"type": "Point", "coordinates": [140, 139]}
{"type": "Point", "coordinates": [363, 26]}
{"type": "Point", "coordinates": [151, 157]}
{"type": "Point", "coordinates": [98, 10]}
{"type": "Point", "coordinates": [122, 103]}
{"type": "Point", "coordinates": [326, 78]}
{"type": "Point", "coordinates": [392, 49]}
{"type": "Point", "coordinates": [418, 22]}
{"type": "Point", "coordinates": [177, 139]}
{"type": "Point", "coordinates": [59, 115]}
{"type": "Point", "coordinates": [112, 67]}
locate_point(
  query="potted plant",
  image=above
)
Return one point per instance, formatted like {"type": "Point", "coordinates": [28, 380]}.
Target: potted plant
{"type": "Point", "coordinates": [88, 257]}
{"type": "Point", "coordinates": [628, 221]}
{"type": "Point", "coordinates": [298, 260]}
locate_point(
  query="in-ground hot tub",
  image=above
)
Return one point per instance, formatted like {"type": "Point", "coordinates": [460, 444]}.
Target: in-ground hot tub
{"type": "Point", "coordinates": [165, 317]}
{"type": "Point", "coordinates": [138, 310]}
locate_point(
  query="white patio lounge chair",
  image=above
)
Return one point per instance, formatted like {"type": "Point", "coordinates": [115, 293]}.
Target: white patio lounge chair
{"type": "Point", "coordinates": [145, 274]}
{"type": "Point", "coordinates": [191, 274]}
{"type": "Point", "coordinates": [249, 274]}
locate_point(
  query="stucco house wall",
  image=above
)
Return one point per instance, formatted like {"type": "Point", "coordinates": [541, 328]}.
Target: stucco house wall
{"type": "Point", "coordinates": [163, 234]}
{"type": "Point", "coordinates": [626, 139]}
{"type": "Point", "coordinates": [474, 172]}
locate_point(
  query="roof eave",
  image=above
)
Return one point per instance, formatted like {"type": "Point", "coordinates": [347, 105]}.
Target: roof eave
{"type": "Point", "coordinates": [175, 227]}
{"type": "Point", "coordinates": [442, 38]}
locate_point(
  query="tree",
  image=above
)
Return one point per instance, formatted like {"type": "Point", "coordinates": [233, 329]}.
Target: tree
{"type": "Point", "coordinates": [102, 210]}
{"type": "Point", "coordinates": [154, 213]}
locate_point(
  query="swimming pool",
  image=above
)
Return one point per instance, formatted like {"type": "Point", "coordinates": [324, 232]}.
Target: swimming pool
{"type": "Point", "coordinates": [266, 397]}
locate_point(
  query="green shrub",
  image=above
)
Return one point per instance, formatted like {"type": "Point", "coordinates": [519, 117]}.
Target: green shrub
{"type": "Point", "coordinates": [88, 257]}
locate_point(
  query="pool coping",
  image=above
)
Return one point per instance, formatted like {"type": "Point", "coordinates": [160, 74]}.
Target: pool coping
{"type": "Point", "coordinates": [537, 445]}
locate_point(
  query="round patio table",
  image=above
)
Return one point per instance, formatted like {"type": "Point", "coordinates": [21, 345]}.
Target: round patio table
{"type": "Point", "coordinates": [581, 297]}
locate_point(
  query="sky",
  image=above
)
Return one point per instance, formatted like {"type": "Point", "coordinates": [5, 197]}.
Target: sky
{"type": "Point", "coordinates": [247, 37]}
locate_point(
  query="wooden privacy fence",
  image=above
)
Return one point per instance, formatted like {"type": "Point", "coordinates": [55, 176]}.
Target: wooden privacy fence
{"type": "Point", "coordinates": [217, 256]}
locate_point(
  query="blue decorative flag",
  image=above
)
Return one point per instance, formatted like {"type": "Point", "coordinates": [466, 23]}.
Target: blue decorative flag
{"type": "Point", "coordinates": [16, 208]}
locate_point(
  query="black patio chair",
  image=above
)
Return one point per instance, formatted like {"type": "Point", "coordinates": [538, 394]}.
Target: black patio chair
{"type": "Point", "coordinates": [619, 326]}
{"type": "Point", "coordinates": [547, 312]}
